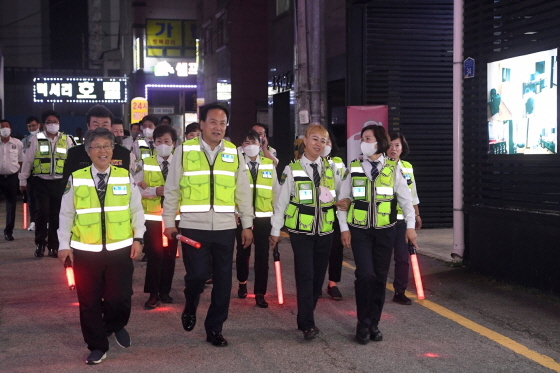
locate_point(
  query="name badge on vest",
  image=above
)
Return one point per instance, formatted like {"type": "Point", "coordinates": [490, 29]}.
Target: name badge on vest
{"type": "Point", "coordinates": [228, 158]}
{"type": "Point", "coordinates": [358, 191]}
{"type": "Point", "coordinates": [267, 174]}
{"type": "Point", "coordinates": [305, 193]}
{"type": "Point", "coordinates": [119, 190]}
{"type": "Point", "coordinates": [44, 149]}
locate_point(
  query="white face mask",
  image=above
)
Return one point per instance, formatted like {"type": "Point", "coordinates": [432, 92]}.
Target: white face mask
{"type": "Point", "coordinates": [148, 133]}
{"type": "Point", "coordinates": [53, 128]}
{"type": "Point", "coordinates": [34, 132]}
{"type": "Point", "coordinates": [368, 148]}
{"type": "Point", "coordinates": [326, 151]}
{"type": "Point", "coordinates": [252, 150]}
{"type": "Point", "coordinates": [164, 150]}
{"type": "Point", "coordinates": [5, 132]}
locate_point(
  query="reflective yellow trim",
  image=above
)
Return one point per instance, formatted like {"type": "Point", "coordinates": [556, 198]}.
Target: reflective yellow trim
{"type": "Point", "coordinates": [97, 248]}
{"type": "Point", "coordinates": [299, 173]}
{"type": "Point", "coordinates": [149, 167]}
{"type": "Point", "coordinates": [195, 208]}
{"type": "Point", "coordinates": [153, 217]}
{"type": "Point", "coordinates": [266, 167]}
{"type": "Point", "coordinates": [118, 180]}
{"type": "Point", "coordinates": [61, 150]}
{"type": "Point", "coordinates": [82, 182]}
{"type": "Point", "coordinates": [229, 150]}
{"type": "Point", "coordinates": [225, 173]}
{"type": "Point", "coordinates": [357, 169]}
{"type": "Point", "coordinates": [196, 173]}
{"type": "Point", "coordinates": [263, 214]}
{"type": "Point", "coordinates": [388, 191]}
{"type": "Point", "coordinates": [224, 208]}
{"type": "Point", "coordinates": [189, 148]}
{"type": "Point", "coordinates": [98, 209]}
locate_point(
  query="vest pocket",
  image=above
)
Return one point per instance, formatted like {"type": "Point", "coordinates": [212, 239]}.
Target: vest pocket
{"type": "Point", "coordinates": [328, 219]}
{"type": "Point", "coordinates": [306, 222]}
{"type": "Point", "coordinates": [358, 213]}
{"type": "Point", "coordinates": [290, 216]}
{"type": "Point", "coordinates": [196, 187]}
{"type": "Point", "coordinates": [119, 225]}
{"type": "Point", "coordinates": [225, 188]}
{"type": "Point", "coordinates": [88, 228]}
{"type": "Point", "coordinates": [383, 214]}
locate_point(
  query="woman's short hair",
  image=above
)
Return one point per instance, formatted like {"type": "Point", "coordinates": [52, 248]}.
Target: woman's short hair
{"type": "Point", "coordinates": [252, 135]}
{"type": "Point", "coordinates": [316, 129]}
{"type": "Point", "coordinates": [162, 129]}
{"type": "Point", "coordinates": [99, 132]}
{"type": "Point", "coordinates": [381, 137]}
{"type": "Point", "coordinates": [192, 127]}
{"type": "Point", "coordinates": [394, 135]}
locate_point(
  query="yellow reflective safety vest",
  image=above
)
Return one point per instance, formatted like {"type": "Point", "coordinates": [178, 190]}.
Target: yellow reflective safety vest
{"type": "Point", "coordinates": [262, 187]}
{"type": "Point", "coordinates": [408, 174]}
{"type": "Point", "coordinates": [144, 149]}
{"type": "Point", "coordinates": [205, 186]}
{"type": "Point", "coordinates": [154, 178]}
{"type": "Point", "coordinates": [107, 224]}
{"type": "Point", "coordinates": [306, 213]}
{"type": "Point", "coordinates": [373, 204]}
{"type": "Point", "coordinates": [47, 161]}
{"type": "Point", "coordinates": [337, 161]}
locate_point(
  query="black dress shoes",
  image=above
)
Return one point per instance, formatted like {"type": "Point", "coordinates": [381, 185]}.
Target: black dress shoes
{"type": "Point", "coordinates": [217, 339]}
{"type": "Point", "coordinates": [242, 291]}
{"type": "Point", "coordinates": [40, 250]}
{"type": "Point", "coordinates": [152, 302]}
{"type": "Point", "coordinates": [165, 298]}
{"type": "Point", "coordinates": [362, 334]}
{"type": "Point", "coordinates": [8, 237]}
{"type": "Point", "coordinates": [259, 298]}
{"type": "Point", "coordinates": [188, 320]}
{"type": "Point", "coordinates": [53, 253]}
{"type": "Point", "coordinates": [375, 334]}
{"type": "Point", "coordinates": [311, 333]}
{"type": "Point", "coordinates": [402, 299]}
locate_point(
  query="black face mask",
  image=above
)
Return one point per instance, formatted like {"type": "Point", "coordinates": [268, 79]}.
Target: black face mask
{"type": "Point", "coordinates": [119, 139]}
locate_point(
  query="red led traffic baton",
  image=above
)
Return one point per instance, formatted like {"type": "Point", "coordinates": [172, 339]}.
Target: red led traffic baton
{"type": "Point", "coordinates": [278, 268]}
{"type": "Point", "coordinates": [163, 236]}
{"type": "Point", "coordinates": [416, 271]}
{"type": "Point", "coordinates": [69, 273]}
{"type": "Point", "coordinates": [24, 215]}
{"type": "Point", "coordinates": [186, 240]}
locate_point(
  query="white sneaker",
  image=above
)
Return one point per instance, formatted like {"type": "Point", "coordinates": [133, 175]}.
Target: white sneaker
{"type": "Point", "coordinates": [31, 226]}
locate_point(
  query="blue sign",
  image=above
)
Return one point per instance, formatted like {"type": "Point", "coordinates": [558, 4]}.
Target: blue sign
{"type": "Point", "coordinates": [468, 68]}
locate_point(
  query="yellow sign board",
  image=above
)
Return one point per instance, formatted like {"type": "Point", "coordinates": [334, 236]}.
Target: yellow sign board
{"type": "Point", "coordinates": [138, 109]}
{"type": "Point", "coordinates": [170, 38]}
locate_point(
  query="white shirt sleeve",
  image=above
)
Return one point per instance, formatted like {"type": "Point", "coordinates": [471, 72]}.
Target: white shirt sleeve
{"type": "Point", "coordinates": [137, 212]}
{"type": "Point", "coordinates": [28, 158]}
{"type": "Point", "coordinates": [66, 217]}
{"type": "Point", "coordinates": [404, 198]}
{"type": "Point", "coordinates": [281, 201]}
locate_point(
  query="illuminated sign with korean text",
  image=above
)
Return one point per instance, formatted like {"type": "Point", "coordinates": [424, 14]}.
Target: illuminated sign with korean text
{"type": "Point", "coordinates": [182, 69]}
{"type": "Point", "coordinates": [170, 38]}
{"type": "Point", "coordinates": [86, 90]}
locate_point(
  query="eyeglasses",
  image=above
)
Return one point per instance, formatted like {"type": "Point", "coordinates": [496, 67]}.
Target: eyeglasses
{"type": "Point", "coordinates": [99, 148]}
{"type": "Point", "coordinates": [52, 122]}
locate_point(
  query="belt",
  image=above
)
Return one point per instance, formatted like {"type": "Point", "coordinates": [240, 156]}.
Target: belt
{"type": "Point", "coordinates": [7, 176]}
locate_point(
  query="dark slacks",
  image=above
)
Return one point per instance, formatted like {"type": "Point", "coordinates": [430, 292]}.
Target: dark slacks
{"type": "Point", "coordinates": [261, 232]}
{"type": "Point", "coordinates": [372, 250]}
{"type": "Point", "coordinates": [311, 257]}
{"type": "Point", "coordinates": [335, 258]}
{"type": "Point", "coordinates": [48, 195]}
{"type": "Point", "coordinates": [104, 286]}
{"type": "Point", "coordinates": [401, 257]}
{"type": "Point", "coordinates": [30, 199]}
{"type": "Point", "coordinates": [9, 186]}
{"type": "Point", "coordinates": [216, 253]}
{"type": "Point", "coordinates": [161, 260]}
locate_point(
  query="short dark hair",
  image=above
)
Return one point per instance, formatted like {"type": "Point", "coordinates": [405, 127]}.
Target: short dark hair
{"type": "Point", "coordinates": [162, 130]}
{"type": "Point", "coordinates": [99, 111]}
{"type": "Point", "coordinates": [253, 136]}
{"type": "Point", "coordinates": [263, 126]}
{"type": "Point", "coordinates": [48, 113]}
{"type": "Point", "coordinates": [6, 121]}
{"type": "Point", "coordinates": [151, 118]}
{"type": "Point", "coordinates": [383, 141]}
{"type": "Point", "coordinates": [192, 127]}
{"type": "Point", "coordinates": [119, 124]}
{"type": "Point", "coordinates": [126, 133]}
{"type": "Point", "coordinates": [96, 133]}
{"type": "Point", "coordinates": [31, 119]}
{"type": "Point", "coordinates": [166, 117]}
{"type": "Point", "coordinates": [134, 124]}
{"type": "Point", "coordinates": [206, 108]}
{"type": "Point", "coordinates": [394, 135]}
{"type": "Point", "coordinates": [118, 120]}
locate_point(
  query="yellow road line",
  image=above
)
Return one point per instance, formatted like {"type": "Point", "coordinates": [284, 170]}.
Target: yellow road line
{"type": "Point", "coordinates": [490, 334]}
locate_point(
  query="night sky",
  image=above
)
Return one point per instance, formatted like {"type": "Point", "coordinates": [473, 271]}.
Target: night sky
{"type": "Point", "coordinates": [68, 25]}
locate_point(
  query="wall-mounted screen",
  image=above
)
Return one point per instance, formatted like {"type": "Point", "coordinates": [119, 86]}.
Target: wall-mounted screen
{"type": "Point", "coordinates": [522, 104]}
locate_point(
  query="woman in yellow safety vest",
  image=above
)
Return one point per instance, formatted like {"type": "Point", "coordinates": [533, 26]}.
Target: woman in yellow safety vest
{"type": "Point", "coordinates": [160, 253]}
{"type": "Point", "coordinates": [374, 185]}
{"type": "Point", "coordinates": [306, 205]}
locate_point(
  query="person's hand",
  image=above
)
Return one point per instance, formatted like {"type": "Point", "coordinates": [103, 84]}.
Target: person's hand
{"type": "Point", "coordinates": [160, 190]}
{"type": "Point", "coordinates": [135, 249]}
{"type": "Point", "coordinates": [246, 237]}
{"type": "Point", "coordinates": [343, 204]}
{"type": "Point", "coordinates": [264, 142]}
{"type": "Point", "coordinates": [418, 223]}
{"type": "Point", "coordinates": [273, 240]}
{"type": "Point", "coordinates": [236, 216]}
{"type": "Point", "coordinates": [346, 239]}
{"type": "Point", "coordinates": [142, 184]}
{"type": "Point", "coordinates": [169, 231]}
{"type": "Point", "coordinates": [410, 237]}
{"type": "Point", "coordinates": [63, 254]}
{"type": "Point", "coordinates": [23, 188]}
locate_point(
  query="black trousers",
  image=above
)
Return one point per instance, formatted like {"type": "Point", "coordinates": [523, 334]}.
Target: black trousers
{"type": "Point", "coordinates": [261, 232]}
{"type": "Point", "coordinates": [311, 257]}
{"type": "Point", "coordinates": [336, 256]}
{"type": "Point", "coordinates": [30, 199]}
{"type": "Point", "coordinates": [48, 195]}
{"type": "Point", "coordinates": [161, 260]}
{"type": "Point", "coordinates": [104, 286]}
{"type": "Point", "coordinates": [216, 253]}
{"type": "Point", "coordinates": [9, 186]}
{"type": "Point", "coordinates": [401, 257]}
{"type": "Point", "coordinates": [372, 250]}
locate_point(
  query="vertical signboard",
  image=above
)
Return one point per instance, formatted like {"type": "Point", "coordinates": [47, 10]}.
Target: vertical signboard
{"type": "Point", "coordinates": [138, 109]}
{"type": "Point", "coordinates": [359, 117]}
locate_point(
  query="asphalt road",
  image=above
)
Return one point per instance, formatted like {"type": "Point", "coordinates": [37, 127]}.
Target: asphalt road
{"type": "Point", "coordinates": [40, 332]}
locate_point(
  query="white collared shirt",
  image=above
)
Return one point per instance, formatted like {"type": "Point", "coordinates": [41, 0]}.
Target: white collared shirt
{"type": "Point", "coordinates": [11, 156]}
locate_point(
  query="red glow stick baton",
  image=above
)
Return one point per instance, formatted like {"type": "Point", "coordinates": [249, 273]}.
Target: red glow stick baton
{"type": "Point", "coordinates": [416, 271]}
{"type": "Point", "coordinates": [70, 273]}
{"type": "Point", "coordinates": [186, 240]}
{"type": "Point", "coordinates": [164, 237]}
{"type": "Point", "coordinates": [278, 268]}
{"type": "Point", "coordinates": [25, 215]}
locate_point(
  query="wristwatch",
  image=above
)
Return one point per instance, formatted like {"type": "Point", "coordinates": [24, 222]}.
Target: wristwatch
{"type": "Point", "coordinates": [141, 240]}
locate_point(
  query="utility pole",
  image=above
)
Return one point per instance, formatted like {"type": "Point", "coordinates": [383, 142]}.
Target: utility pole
{"type": "Point", "coordinates": [309, 64]}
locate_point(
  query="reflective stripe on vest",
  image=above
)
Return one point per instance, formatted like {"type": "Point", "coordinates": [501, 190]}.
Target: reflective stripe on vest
{"type": "Point", "coordinates": [110, 246]}
{"type": "Point", "coordinates": [50, 163]}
